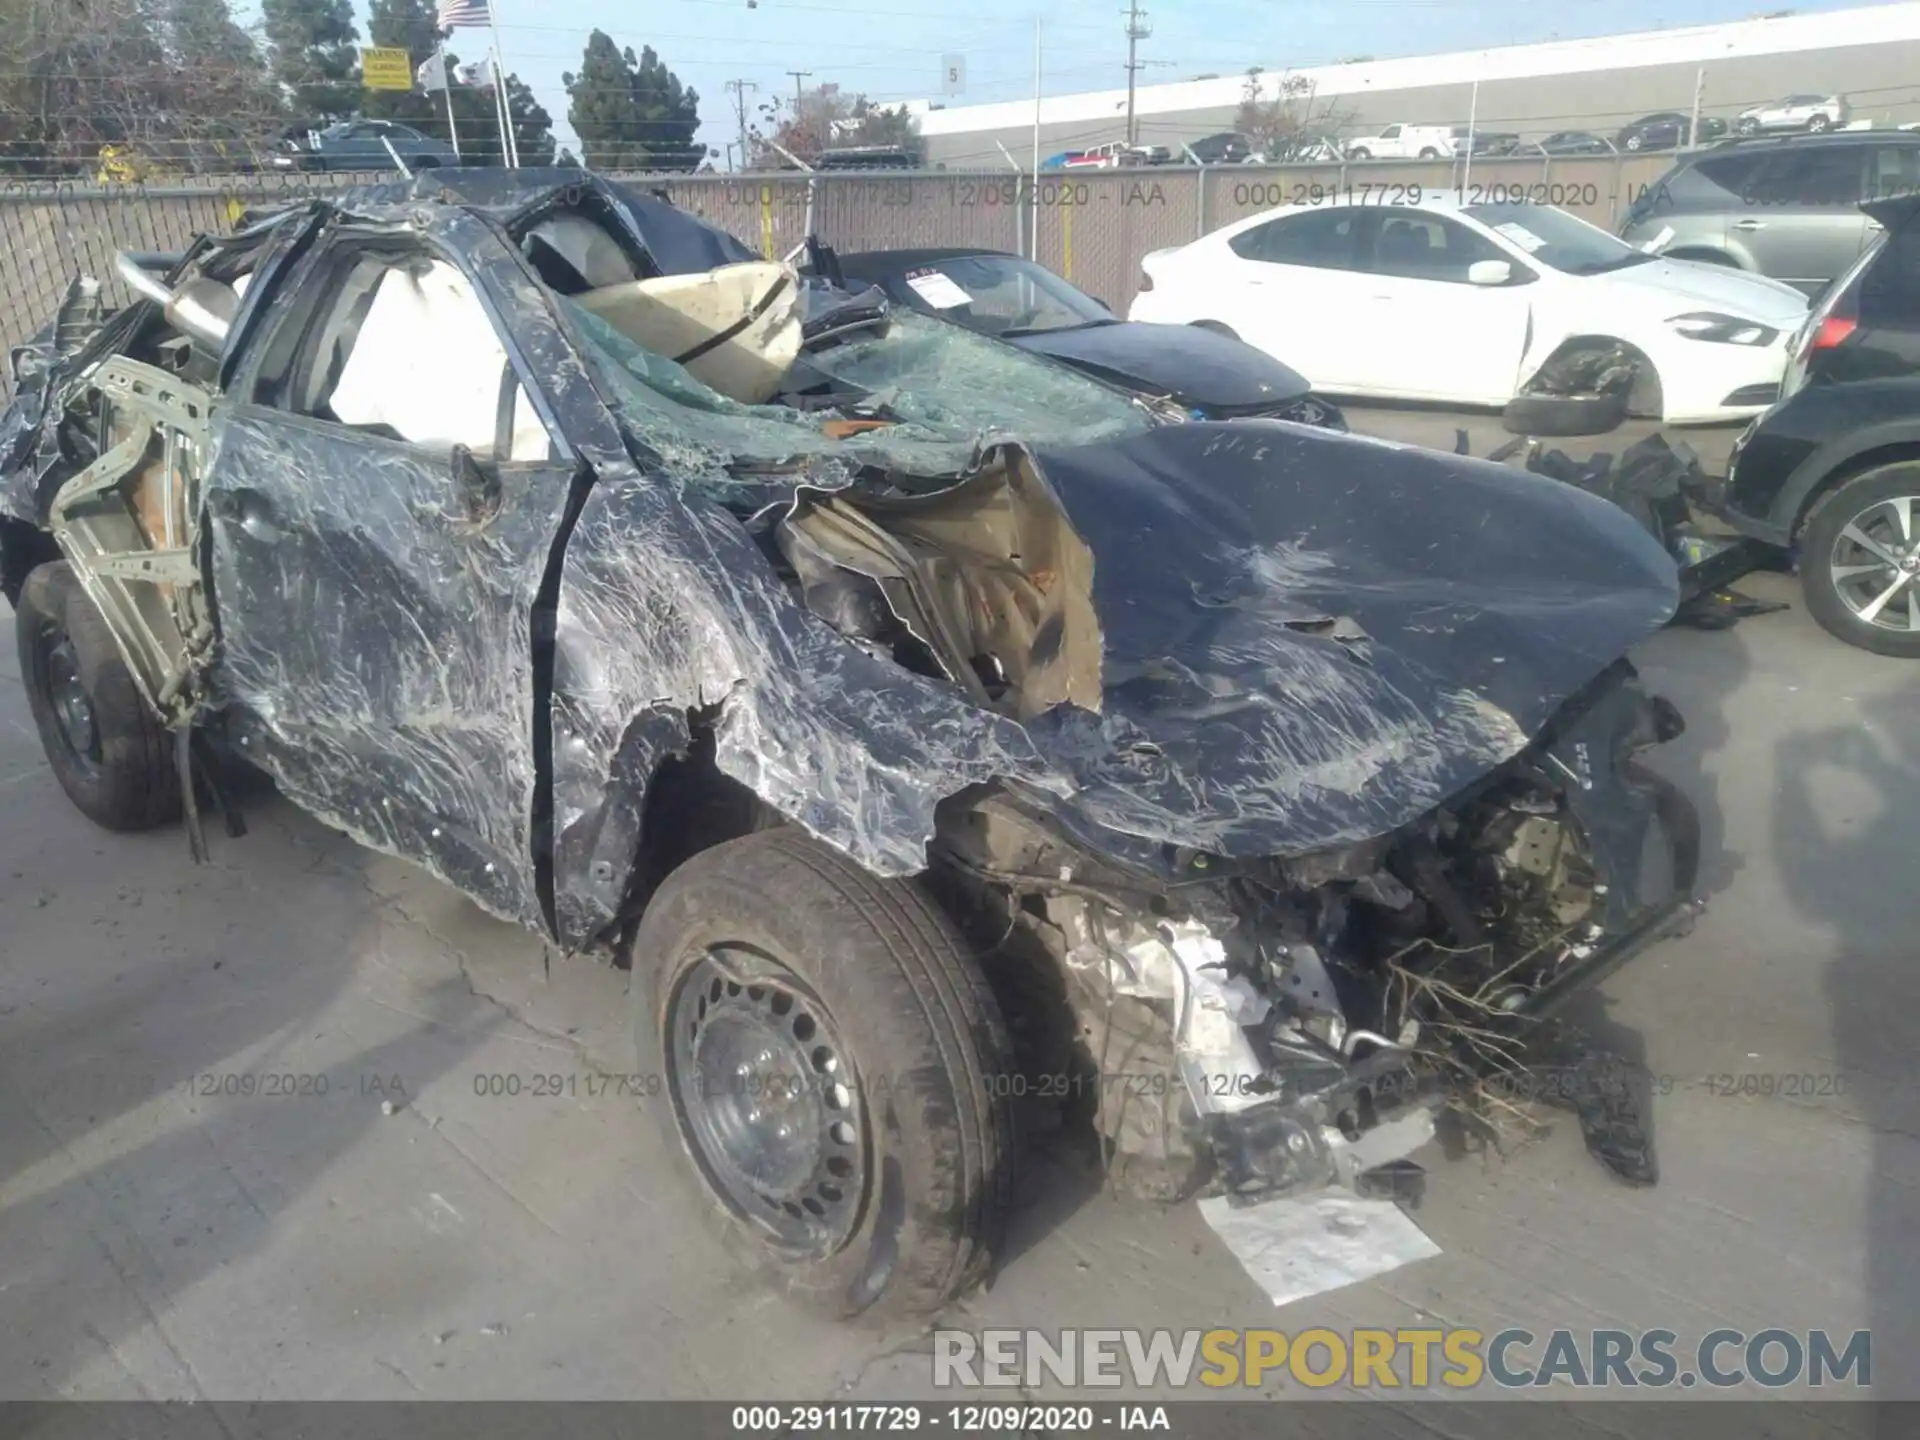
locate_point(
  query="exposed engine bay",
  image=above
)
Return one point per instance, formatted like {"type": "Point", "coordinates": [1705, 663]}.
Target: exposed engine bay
{"type": "Point", "coordinates": [1272, 1025]}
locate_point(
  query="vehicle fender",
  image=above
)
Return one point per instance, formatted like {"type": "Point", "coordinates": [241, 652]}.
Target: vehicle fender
{"type": "Point", "coordinates": [1838, 456]}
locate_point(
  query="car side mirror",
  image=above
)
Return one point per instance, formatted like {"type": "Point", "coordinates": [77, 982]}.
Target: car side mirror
{"type": "Point", "coordinates": [476, 486]}
{"type": "Point", "coordinates": [1489, 272]}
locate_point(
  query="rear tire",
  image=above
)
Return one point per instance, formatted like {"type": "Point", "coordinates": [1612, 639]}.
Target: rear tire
{"type": "Point", "coordinates": [109, 752]}
{"type": "Point", "coordinates": [861, 1155]}
{"type": "Point", "coordinates": [1862, 503]}
{"type": "Point", "coordinates": [1819, 125]}
{"type": "Point", "coordinates": [1362, 153]}
{"type": "Point", "coordinates": [1429, 153]}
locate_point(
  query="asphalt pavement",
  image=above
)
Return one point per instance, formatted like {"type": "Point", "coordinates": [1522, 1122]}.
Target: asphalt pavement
{"type": "Point", "coordinates": [433, 1199]}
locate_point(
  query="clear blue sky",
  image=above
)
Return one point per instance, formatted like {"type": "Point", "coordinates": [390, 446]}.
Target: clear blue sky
{"type": "Point", "coordinates": [892, 49]}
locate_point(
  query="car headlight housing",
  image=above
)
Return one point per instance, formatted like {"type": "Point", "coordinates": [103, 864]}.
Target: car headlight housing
{"type": "Point", "coordinates": [1720, 329]}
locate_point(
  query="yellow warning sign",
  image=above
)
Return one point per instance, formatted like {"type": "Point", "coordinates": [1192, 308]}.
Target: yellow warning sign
{"type": "Point", "coordinates": [382, 68]}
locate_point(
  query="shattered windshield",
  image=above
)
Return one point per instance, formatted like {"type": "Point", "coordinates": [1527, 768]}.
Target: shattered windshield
{"type": "Point", "coordinates": [948, 377]}
{"type": "Point", "coordinates": [946, 389]}
{"type": "Point", "coordinates": [1002, 295]}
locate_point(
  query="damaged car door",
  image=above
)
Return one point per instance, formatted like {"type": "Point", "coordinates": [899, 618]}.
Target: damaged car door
{"type": "Point", "coordinates": [385, 494]}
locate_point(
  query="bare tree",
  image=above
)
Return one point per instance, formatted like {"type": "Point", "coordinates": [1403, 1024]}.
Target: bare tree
{"type": "Point", "coordinates": [1283, 115]}
{"type": "Point", "coordinates": [156, 85]}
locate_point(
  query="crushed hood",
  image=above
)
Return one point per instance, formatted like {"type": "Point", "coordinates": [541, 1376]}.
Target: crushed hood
{"type": "Point", "coordinates": [1199, 368]}
{"type": "Point", "coordinates": [1311, 639]}
{"type": "Point", "coordinates": [1246, 638]}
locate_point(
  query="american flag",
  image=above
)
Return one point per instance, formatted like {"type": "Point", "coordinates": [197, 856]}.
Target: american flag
{"type": "Point", "coordinates": [465, 12]}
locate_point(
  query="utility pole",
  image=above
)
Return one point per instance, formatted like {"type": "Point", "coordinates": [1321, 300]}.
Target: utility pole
{"type": "Point", "coordinates": [740, 89]}
{"type": "Point", "coordinates": [799, 95]}
{"type": "Point", "coordinates": [1138, 29]}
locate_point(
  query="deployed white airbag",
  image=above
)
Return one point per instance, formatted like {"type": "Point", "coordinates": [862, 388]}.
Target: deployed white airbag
{"type": "Point", "coordinates": [427, 363]}
{"type": "Point", "coordinates": [736, 328]}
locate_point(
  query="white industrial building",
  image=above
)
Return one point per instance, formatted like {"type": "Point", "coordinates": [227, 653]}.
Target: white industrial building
{"type": "Point", "coordinates": [1871, 55]}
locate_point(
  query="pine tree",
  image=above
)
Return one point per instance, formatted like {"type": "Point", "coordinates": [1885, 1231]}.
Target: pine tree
{"type": "Point", "coordinates": [669, 114]}
{"type": "Point", "coordinates": [532, 125]}
{"type": "Point", "coordinates": [631, 114]}
{"type": "Point", "coordinates": [602, 108]}
{"type": "Point", "coordinates": [315, 56]}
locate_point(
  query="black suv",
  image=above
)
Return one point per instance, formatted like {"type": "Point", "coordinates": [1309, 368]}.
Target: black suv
{"type": "Point", "coordinates": [1834, 466]}
{"type": "Point", "coordinates": [1785, 207]}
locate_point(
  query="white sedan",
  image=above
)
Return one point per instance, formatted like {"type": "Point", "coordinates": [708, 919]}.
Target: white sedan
{"type": "Point", "coordinates": [1466, 304]}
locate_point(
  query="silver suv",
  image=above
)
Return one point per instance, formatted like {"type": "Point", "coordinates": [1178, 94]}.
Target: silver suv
{"type": "Point", "coordinates": [1786, 208]}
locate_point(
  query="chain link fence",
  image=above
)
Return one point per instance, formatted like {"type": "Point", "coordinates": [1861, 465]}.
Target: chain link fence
{"type": "Point", "coordinates": [1094, 227]}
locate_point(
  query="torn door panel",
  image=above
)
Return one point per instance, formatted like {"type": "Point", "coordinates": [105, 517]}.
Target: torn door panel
{"type": "Point", "coordinates": [377, 645]}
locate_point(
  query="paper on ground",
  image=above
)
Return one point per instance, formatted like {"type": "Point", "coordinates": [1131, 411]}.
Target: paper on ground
{"type": "Point", "coordinates": [1307, 1246]}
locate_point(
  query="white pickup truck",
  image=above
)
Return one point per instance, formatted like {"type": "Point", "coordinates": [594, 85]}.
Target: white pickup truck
{"type": "Point", "coordinates": [1403, 142]}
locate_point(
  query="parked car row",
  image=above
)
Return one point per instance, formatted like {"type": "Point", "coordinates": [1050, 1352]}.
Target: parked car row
{"type": "Point", "coordinates": [1402, 140]}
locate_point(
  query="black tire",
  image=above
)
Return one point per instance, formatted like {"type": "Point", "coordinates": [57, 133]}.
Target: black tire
{"type": "Point", "coordinates": [1561, 416]}
{"type": "Point", "coordinates": [1636, 142]}
{"type": "Point", "coordinates": [1429, 153]}
{"type": "Point", "coordinates": [1851, 504]}
{"type": "Point", "coordinates": [884, 984]}
{"type": "Point", "coordinates": [117, 763]}
{"type": "Point", "coordinates": [1819, 125]}
{"type": "Point", "coordinates": [1360, 153]}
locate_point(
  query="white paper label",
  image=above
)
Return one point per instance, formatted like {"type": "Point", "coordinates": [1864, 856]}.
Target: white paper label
{"type": "Point", "coordinates": [936, 287]}
{"type": "Point", "coordinates": [1521, 236]}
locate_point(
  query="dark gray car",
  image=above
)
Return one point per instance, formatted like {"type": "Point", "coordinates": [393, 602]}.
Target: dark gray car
{"type": "Point", "coordinates": [904, 729]}
{"type": "Point", "coordinates": [362, 145]}
{"type": "Point", "coordinates": [1787, 208]}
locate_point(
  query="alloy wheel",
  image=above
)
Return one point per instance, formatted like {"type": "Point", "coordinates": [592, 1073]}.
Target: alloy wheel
{"type": "Point", "coordinates": [1875, 565]}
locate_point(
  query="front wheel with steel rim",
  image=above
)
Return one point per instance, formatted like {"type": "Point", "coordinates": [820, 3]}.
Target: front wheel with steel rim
{"type": "Point", "coordinates": [833, 1073]}
{"type": "Point", "coordinates": [103, 743]}
{"type": "Point", "coordinates": [1860, 561]}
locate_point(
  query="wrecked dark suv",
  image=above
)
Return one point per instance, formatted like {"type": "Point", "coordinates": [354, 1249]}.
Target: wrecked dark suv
{"type": "Point", "coordinates": [933, 728]}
